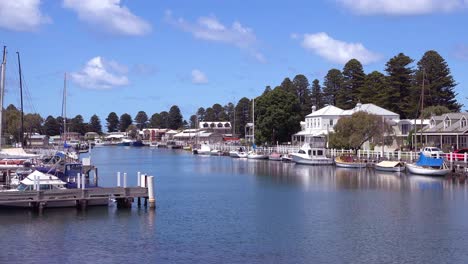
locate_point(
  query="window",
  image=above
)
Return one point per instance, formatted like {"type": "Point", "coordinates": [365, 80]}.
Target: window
{"type": "Point", "coordinates": [463, 122]}
{"type": "Point", "coordinates": [447, 122]}
{"type": "Point", "coordinates": [331, 122]}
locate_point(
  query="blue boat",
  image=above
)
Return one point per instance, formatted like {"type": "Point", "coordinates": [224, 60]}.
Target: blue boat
{"type": "Point", "coordinates": [429, 166]}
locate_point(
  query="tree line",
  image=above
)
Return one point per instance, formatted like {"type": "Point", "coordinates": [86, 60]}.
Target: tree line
{"type": "Point", "coordinates": [403, 88]}
{"type": "Point", "coordinates": [52, 126]}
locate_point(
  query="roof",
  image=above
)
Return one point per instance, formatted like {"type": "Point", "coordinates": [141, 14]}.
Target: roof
{"type": "Point", "coordinates": [415, 121]}
{"type": "Point", "coordinates": [371, 109]}
{"type": "Point", "coordinates": [328, 110]}
{"type": "Point", "coordinates": [38, 136]}
{"type": "Point", "coordinates": [455, 124]}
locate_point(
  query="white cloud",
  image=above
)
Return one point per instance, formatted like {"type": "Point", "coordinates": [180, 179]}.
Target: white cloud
{"type": "Point", "coordinates": [101, 74]}
{"type": "Point", "coordinates": [402, 7]}
{"type": "Point", "coordinates": [210, 29]}
{"type": "Point", "coordinates": [336, 50]}
{"type": "Point", "coordinates": [109, 15]}
{"type": "Point", "coordinates": [198, 77]}
{"type": "Point", "coordinates": [21, 15]}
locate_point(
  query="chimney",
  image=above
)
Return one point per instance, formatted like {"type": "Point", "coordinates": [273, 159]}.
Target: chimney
{"type": "Point", "coordinates": [313, 108]}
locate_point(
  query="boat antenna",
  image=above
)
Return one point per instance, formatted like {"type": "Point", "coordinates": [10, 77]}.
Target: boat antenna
{"type": "Point", "coordinates": [2, 90]}
{"type": "Point", "coordinates": [21, 100]}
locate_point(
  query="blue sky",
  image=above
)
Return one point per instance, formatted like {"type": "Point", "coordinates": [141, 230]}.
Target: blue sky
{"type": "Point", "coordinates": [127, 56]}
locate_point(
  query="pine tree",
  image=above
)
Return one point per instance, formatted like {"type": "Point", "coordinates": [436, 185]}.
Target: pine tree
{"type": "Point", "coordinates": [400, 80]}
{"type": "Point", "coordinates": [175, 118]}
{"type": "Point", "coordinates": [439, 85]}
{"type": "Point", "coordinates": [141, 119]}
{"type": "Point", "coordinates": [353, 81]}
{"type": "Point", "coordinates": [155, 121]}
{"type": "Point", "coordinates": [112, 122]}
{"type": "Point", "coordinates": [124, 122]}
{"type": "Point", "coordinates": [333, 83]}
{"type": "Point", "coordinates": [95, 124]}
{"type": "Point", "coordinates": [301, 85]}
{"type": "Point", "coordinates": [288, 86]}
{"type": "Point", "coordinates": [374, 90]}
{"type": "Point", "coordinates": [317, 95]}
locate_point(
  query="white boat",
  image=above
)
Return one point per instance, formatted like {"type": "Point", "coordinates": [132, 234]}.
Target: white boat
{"type": "Point", "coordinates": [428, 166]}
{"type": "Point", "coordinates": [44, 182]}
{"type": "Point", "coordinates": [348, 162]}
{"type": "Point", "coordinates": [311, 156]}
{"type": "Point", "coordinates": [255, 155]}
{"type": "Point", "coordinates": [153, 145]}
{"type": "Point", "coordinates": [215, 152]}
{"type": "Point", "coordinates": [204, 150]}
{"type": "Point", "coordinates": [237, 154]}
{"type": "Point", "coordinates": [393, 166]}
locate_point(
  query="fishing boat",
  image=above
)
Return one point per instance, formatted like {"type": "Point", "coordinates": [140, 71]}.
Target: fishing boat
{"type": "Point", "coordinates": [311, 156]}
{"type": "Point", "coordinates": [349, 162]}
{"type": "Point", "coordinates": [287, 158]}
{"type": "Point", "coordinates": [215, 152]}
{"type": "Point", "coordinates": [392, 166]}
{"type": "Point", "coordinates": [428, 166]}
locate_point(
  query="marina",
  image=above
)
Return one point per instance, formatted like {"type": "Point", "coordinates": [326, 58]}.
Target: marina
{"type": "Point", "coordinates": [251, 211]}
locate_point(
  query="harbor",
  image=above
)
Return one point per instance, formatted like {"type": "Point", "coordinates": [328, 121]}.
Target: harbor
{"type": "Point", "coordinates": [213, 208]}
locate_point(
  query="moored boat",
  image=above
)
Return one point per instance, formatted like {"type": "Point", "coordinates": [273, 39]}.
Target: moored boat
{"type": "Point", "coordinates": [349, 162]}
{"type": "Point", "coordinates": [311, 156]}
{"type": "Point", "coordinates": [428, 166]}
{"type": "Point", "coordinates": [256, 155]}
{"type": "Point", "coordinates": [393, 166]}
{"type": "Point", "coordinates": [203, 150]}
{"type": "Point", "coordinates": [275, 156]}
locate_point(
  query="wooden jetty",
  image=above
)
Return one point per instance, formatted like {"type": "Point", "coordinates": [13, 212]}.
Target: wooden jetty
{"type": "Point", "coordinates": [83, 197]}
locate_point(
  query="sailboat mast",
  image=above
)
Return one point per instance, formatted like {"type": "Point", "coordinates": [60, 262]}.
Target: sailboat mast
{"type": "Point", "coordinates": [2, 91]}
{"type": "Point", "coordinates": [422, 105]}
{"type": "Point", "coordinates": [21, 99]}
{"type": "Point", "coordinates": [64, 108]}
{"type": "Point", "coordinates": [253, 120]}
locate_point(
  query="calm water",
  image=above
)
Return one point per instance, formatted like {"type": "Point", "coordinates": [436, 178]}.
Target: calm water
{"type": "Point", "coordinates": [223, 210]}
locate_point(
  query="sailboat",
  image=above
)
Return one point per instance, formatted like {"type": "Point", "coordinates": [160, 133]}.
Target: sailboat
{"type": "Point", "coordinates": [254, 154]}
{"type": "Point", "coordinates": [11, 153]}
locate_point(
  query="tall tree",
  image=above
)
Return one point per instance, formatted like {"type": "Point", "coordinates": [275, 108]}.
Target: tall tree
{"type": "Point", "coordinates": [439, 84]}
{"type": "Point", "coordinates": [124, 122]}
{"type": "Point", "coordinates": [229, 110]}
{"type": "Point", "coordinates": [12, 122]}
{"type": "Point", "coordinates": [201, 114]}
{"type": "Point", "coordinates": [155, 121]}
{"type": "Point", "coordinates": [164, 119]}
{"type": "Point", "coordinates": [218, 111]}
{"type": "Point", "coordinates": [243, 115]}
{"type": "Point", "coordinates": [112, 122]}
{"type": "Point", "coordinates": [333, 83]}
{"type": "Point", "coordinates": [353, 81]}
{"type": "Point", "coordinates": [278, 116]}
{"type": "Point", "coordinates": [193, 121]}
{"type": "Point", "coordinates": [375, 90]}
{"type": "Point", "coordinates": [78, 125]}
{"type": "Point", "coordinates": [210, 115]}
{"type": "Point", "coordinates": [33, 123]}
{"type": "Point", "coordinates": [288, 86]}
{"type": "Point", "coordinates": [397, 95]}
{"type": "Point", "coordinates": [301, 85]}
{"type": "Point", "coordinates": [51, 126]}
{"type": "Point", "coordinates": [95, 124]}
{"type": "Point", "coordinates": [317, 95]}
{"type": "Point", "coordinates": [141, 119]}
{"type": "Point", "coordinates": [175, 118]}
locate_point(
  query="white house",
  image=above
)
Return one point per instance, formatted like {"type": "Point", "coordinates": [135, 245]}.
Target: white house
{"type": "Point", "coordinates": [320, 123]}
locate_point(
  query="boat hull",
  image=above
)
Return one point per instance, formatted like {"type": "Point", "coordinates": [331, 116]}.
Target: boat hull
{"type": "Point", "coordinates": [354, 165]}
{"type": "Point", "coordinates": [257, 156]}
{"type": "Point", "coordinates": [299, 159]}
{"type": "Point", "coordinates": [415, 169]}
{"type": "Point", "coordinates": [391, 169]}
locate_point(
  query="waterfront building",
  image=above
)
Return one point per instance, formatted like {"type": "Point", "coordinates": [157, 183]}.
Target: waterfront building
{"type": "Point", "coordinates": [448, 131]}
{"type": "Point", "coordinates": [38, 141]}
{"type": "Point", "coordinates": [154, 134]}
{"type": "Point", "coordinates": [220, 127]}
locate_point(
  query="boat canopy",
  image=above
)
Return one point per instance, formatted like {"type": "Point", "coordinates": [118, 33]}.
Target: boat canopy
{"type": "Point", "coordinates": [429, 161]}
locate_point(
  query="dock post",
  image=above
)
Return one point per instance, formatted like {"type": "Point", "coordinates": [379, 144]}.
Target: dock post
{"type": "Point", "coordinates": [143, 180]}
{"type": "Point", "coordinates": [118, 179]}
{"type": "Point", "coordinates": [125, 180]}
{"type": "Point", "coordinates": [83, 182]}
{"type": "Point", "coordinates": [78, 180]}
{"type": "Point", "coordinates": [139, 179]}
{"type": "Point", "coordinates": [139, 201]}
{"type": "Point", "coordinates": [152, 201]}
